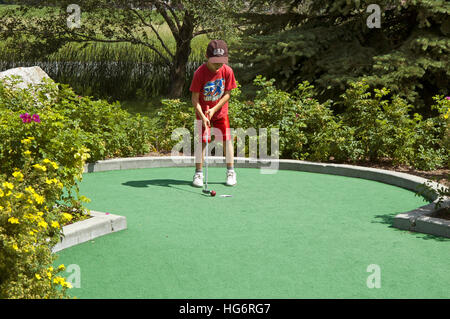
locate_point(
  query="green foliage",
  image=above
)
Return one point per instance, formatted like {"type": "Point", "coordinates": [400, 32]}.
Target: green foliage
{"type": "Point", "coordinates": [109, 130]}
{"type": "Point", "coordinates": [30, 225]}
{"type": "Point", "coordinates": [54, 136]}
{"type": "Point", "coordinates": [300, 118]}
{"type": "Point", "coordinates": [163, 31]}
{"type": "Point", "coordinates": [384, 129]}
{"type": "Point", "coordinates": [71, 130]}
{"type": "Point", "coordinates": [370, 128]}
{"type": "Point", "coordinates": [173, 114]}
{"type": "Point", "coordinates": [328, 43]}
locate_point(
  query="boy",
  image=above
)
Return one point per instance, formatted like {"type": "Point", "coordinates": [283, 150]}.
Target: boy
{"type": "Point", "coordinates": [211, 88]}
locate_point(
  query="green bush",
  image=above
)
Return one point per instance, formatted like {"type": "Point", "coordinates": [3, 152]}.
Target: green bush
{"type": "Point", "coordinates": [172, 115]}
{"type": "Point", "coordinates": [304, 124]}
{"type": "Point", "coordinates": [30, 225]}
{"type": "Point", "coordinates": [372, 126]}
{"type": "Point", "coordinates": [383, 128]}
{"type": "Point", "coordinates": [110, 131]}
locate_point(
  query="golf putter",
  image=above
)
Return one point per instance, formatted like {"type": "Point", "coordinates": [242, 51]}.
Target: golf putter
{"type": "Point", "coordinates": [206, 190]}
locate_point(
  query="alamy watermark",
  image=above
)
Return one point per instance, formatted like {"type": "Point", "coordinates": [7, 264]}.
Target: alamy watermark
{"type": "Point", "coordinates": [374, 279]}
{"type": "Point", "coordinates": [74, 276]}
{"type": "Point", "coordinates": [74, 19]}
{"type": "Point", "coordinates": [374, 19]}
{"type": "Point", "coordinates": [257, 146]}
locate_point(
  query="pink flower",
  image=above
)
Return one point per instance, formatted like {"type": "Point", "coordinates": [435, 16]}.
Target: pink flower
{"type": "Point", "coordinates": [26, 118]}
{"type": "Point", "coordinates": [36, 118]}
{"type": "Point", "coordinates": [448, 97]}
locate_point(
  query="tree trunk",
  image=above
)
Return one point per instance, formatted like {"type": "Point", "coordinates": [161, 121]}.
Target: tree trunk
{"type": "Point", "coordinates": [178, 71]}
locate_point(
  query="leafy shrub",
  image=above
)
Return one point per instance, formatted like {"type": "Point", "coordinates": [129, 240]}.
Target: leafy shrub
{"type": "Point", "coordinates": [173, 114]}
{"type": "Point", "coordinates": [371, 127]}
{"type": "Point", "coordinates": [53, 138]}
{"type": "Point", "coordinates": [30, 225]}
{"type": "Point", "coordinates": [383, 128]}
{"type": "Point", "coordinates": [110, 130]}
{"type": "Point", "coordinates": [302, 121]}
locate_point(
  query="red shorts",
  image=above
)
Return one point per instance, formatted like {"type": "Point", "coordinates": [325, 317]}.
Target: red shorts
{"type": "Point", "coordinates": [220, 129]}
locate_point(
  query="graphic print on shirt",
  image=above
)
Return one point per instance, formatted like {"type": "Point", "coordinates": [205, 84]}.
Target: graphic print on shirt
{"type": "Point", "coordinates": [214, 90]}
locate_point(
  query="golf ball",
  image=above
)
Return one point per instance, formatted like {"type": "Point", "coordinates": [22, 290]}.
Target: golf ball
{"type": "Point", "coordinates": [213, 193]}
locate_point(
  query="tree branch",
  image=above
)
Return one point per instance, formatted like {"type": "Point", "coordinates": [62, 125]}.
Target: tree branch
{"type": "Point", "coordinates": [173, 28]}
{"type": "Point", "coordinates": [205, 31]}
{"type": "Point", "coordinates": [154, 30]}
{"type": "Point", "coordinates": [129, 40]}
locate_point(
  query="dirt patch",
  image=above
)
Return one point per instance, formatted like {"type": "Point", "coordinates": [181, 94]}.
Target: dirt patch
{"type": "Point", "coordinates": [443, 213]}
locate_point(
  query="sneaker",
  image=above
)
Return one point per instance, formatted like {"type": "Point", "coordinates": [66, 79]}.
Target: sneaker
{"type": "Point", "coordinates": [231, 178]}
{"type": "Point", "coordinates": [198, 180]}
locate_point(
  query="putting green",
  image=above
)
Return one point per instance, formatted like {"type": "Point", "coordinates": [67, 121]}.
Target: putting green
{"type": "Point", "coordinates": [287, 235]}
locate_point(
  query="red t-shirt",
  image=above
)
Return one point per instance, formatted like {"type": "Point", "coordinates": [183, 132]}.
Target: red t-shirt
{"type": "Point", "coordinates": [212, 87]}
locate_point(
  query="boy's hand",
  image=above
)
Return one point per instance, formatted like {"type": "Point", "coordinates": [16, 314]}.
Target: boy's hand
{"type": "Point", "coordinates": [206, 122]}
{"type": "Point", "coordinates": [210, 113]}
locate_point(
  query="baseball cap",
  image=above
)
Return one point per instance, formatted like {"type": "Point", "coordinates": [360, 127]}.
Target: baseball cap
{"type": "Point", "coordinates": [217, 51]}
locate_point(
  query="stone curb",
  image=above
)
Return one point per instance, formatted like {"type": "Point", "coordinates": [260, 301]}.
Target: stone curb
{"type": "Point", "coordinates": [417, 220]}
{"type": "Point", "coordinates": [99, 224]}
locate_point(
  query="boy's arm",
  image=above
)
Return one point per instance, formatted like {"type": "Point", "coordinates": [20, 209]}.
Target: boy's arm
{"type": "Point", "coordinates": [226, 96]}
{"type": "Point", "coordinates": [198, 108]}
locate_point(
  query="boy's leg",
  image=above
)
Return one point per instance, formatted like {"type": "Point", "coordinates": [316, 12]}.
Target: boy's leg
{"type": "Point", "coordinates": [229, 153]}
{"type": "Point", "coordinates": [198, 160]}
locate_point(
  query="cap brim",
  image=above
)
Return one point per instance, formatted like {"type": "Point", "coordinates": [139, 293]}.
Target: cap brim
{"type": "Point", "coordinates": [218, 59]}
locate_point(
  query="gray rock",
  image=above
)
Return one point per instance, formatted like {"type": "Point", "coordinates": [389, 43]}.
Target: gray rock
{"type": "Point", "coordinates": [29, 78]}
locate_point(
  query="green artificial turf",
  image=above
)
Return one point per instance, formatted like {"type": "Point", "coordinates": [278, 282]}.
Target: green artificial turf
{"type": "Point", "coordinates": [287, 235]}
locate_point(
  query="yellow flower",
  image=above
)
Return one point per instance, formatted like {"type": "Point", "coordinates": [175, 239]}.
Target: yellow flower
{"type": "Point", "coordinates": [38, 198]}
{"type": "Point", "coordinates": [49, 275]}
{"type": "Point", "coordinates": [43, 224]}
{"type": "Point", "coordinates": [30, 189]}
{"type": "Point", "coordinates": [13, 220]}
{"type": "Point", "coordinates": [15, 247]}
{"type": "Point", "coordinates": [40, 214]}
{"type": "Point", "coordinates": [1, 207]}
{"type": "Point", "coordinates": [26, 141]}
{"type": "Point", "coordinates": [49, 181]}
{"type": "Point", "coordinates": [8, 185]}
{"type": "Point", "coordinates": [1, 193]}
{"type": "Point", "coordinates": [55, 166]}
{"type": "Point", "coordinates": [38, 276]}
{"type": "Point", "coordinates": [61, 267]}
{"type": "Point", "coordinates": [67, 216]}
{"type": "Point", "coordinates": [38, 166]}
{"type": "Point", "coordinates": [67, 284]}
{"type": "Point", "coordinates": [55, 224]}
{"type": "Point", "coordinates": [19, 195]}
{"type": "Point", "coordinates": [18, 175]}
{"type": "Point", "coordinates": [27, 152]}
{"type": "Point", "coordinates": [46, 160]}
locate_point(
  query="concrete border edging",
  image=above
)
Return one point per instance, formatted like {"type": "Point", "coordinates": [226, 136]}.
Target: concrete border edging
{"type": "Point", "coordinates": [417, 220]}
{"type": "Point", "coordinates": [99, 224]}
